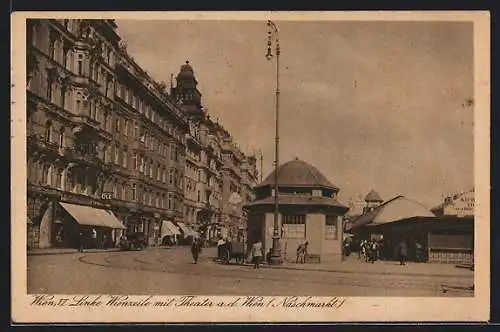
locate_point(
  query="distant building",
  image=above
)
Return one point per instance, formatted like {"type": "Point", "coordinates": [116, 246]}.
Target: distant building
{"type": "Point", "coordinates": [444, 239]}
{"type": "Point", "coordinates": [219, 177]}
{"type": "Point", "coordinates": [308, 208]}
{"type": "Point", "coordinates": [460, 204]}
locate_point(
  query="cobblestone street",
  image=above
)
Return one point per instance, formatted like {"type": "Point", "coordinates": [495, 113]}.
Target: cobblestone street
{"type": "Point", "coordinates": [171, 271]}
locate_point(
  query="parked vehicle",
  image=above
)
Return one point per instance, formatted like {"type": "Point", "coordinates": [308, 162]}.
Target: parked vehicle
{"type": "Point", "coordinates": [134, 241]}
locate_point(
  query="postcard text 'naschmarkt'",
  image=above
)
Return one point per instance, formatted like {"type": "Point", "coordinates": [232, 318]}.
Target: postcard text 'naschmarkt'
{"type": "Point", "coordinates": [291, 302]}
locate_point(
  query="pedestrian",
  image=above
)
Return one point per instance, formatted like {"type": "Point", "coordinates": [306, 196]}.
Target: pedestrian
{"type": "Point", "coordinates": [196, 249]}
{"type": "Point", "coordinates": [220, 248]}
{"type": "Point", "coordinates": [302, 252]}
{"type": "Point", "coordinates": [94, 238]}
{"type": "Point", "coordinates": [80, 241]}
{"type": "Point", "coordinates": [228, 250]}
{"type": "Point", "coordinates": [257, 254]}
{"type": "Point", "coordinates": [403, 253]}
{"type": "Point", "coordinates": [373, 251]}
{"type": "Point", "coordinates": [419, 254]}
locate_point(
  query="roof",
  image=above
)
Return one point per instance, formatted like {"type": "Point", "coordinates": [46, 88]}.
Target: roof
{"type": "Point", "coordinates": [392, 210]}
{"type": "Point", "coordinates": [373, 196]}
{"type": "Point", "coordinates": [299, 200]}
{"type": "Point", "coordinates": [298, 173]}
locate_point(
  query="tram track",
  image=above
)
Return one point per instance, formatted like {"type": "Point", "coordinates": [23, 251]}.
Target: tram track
{"type": "Point", "coordinates": [160, 265]}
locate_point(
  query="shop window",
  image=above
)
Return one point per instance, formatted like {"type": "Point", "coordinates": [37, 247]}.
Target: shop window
{"type": "Point", "coordinates": [316, 193]}
{"type": "Point", "coordinates": [331, 228]}
{"type": "Point", "coordinates": [294, 226]}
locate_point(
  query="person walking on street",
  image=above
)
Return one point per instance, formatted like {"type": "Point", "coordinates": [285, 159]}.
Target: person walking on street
{"type": "Point", "coordinates": [220, 248]}
{"type": "Point", "coordinates": [94, 238]}
{"type": "Point", "coordinates": [403, 253]}
{"type": "Point", "coordinates": [80, 241]}
{"type": "Point", "coordinates": [302, 253]}
{"type": "Point", "coordinates": [257, 254]}
{"type": "Point", "coordinates": [196, 249]}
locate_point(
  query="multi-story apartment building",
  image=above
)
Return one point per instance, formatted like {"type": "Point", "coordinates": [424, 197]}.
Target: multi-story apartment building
{"type": "Point", "coordinates": [214, 167]}
{"type": "Point", "coordinates": [108, 147]}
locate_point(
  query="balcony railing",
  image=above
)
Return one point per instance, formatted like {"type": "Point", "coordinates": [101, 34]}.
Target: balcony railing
{"type": "Point", "coordinates": [138, 145]}
{"type": "Point", "coordinates": [87, 158]}
{"type": "Point", "coordinates": [85, 122]}
{"type": "Point", "coordinates": [41, 143]}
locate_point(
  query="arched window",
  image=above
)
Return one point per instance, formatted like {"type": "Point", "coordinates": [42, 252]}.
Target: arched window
{"type": "Point", "coordinates": [48, 131]}
{"type": "Point", "coordinates": [45, 174]}
{"type": "Point", "coordinates": [124, 191]}
{"type": "Point", "coordinates": [171, 176]}
{"type": "Point", "coordinates": [115, 189]}
{"type": "Point", "coordinates": [134, 192]}
{"type": "Point", "coordinates": [61, 137]}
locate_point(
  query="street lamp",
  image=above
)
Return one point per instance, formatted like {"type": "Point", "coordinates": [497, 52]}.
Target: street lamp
{"type": "Point", "coordinates": [274, 35]}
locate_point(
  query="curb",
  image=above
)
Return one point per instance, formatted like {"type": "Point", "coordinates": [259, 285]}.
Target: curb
{"type": "Point", "coordinates": [91, 251]}
{"type": "Point", "coordinates": [354, 272]}
{"type": "Point", "coordinates": [47, 253]}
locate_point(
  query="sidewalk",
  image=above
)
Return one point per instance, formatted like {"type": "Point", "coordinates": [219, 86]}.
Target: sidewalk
{"type": "Point", "coordinates": [62, 251]}
{"type": "Point", "coordinates": [353, 266]}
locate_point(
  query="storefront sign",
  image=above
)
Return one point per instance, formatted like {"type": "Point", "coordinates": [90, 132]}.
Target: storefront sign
{"type": "Point", "coordinates": [106, 196]}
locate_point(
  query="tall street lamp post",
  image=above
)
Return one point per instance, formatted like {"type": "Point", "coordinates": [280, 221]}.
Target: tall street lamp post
{"type": "Point", "coordinates": [273, 35]}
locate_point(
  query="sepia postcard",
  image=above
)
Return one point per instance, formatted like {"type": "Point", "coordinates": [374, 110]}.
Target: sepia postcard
{"type": "Point", "coordinates": [250, 167]}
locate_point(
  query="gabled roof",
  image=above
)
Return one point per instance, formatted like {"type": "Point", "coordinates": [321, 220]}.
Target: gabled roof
{"type": "Point", "coordinates": [397, 208]}
{"type": "Point", "coordinates": [373, 196]}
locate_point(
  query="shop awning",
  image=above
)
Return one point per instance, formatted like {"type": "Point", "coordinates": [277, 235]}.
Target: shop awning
{"type": "Point", "coordinates": [86, 215]}
{"type": "Point", "coordinates": [168, 228]}
{"type": "Point", "coordinates": [187, 230]}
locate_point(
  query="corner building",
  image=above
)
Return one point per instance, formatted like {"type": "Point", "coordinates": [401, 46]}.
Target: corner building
{"type": "Point", "coordinates": [109, 149]}
{"type": "Point", "coordinates": [102, 136]}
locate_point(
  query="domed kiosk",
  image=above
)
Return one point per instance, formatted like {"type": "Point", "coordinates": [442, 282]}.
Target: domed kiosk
{"type": "Point", "coordinates": [308, 208]}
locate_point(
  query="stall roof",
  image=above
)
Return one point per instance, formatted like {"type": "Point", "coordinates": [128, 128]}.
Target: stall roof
{"type": "Point", "coordinates": [392, 210]}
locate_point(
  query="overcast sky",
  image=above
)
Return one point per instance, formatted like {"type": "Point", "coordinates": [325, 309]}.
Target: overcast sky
{"type": "Point", "coordinates": [370, 104]}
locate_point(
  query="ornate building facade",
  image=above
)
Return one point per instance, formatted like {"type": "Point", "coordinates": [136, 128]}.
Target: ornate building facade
{"type": "Point", "coordinates": [102, 135]}
{"type": "Point", "coordinates": [219, 177]}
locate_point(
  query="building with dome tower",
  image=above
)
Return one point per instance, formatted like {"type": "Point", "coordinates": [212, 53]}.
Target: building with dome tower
{"type": "Point", "coordinates": [219, 177]}
{"type": "Point", "coordinates": [308, 210]}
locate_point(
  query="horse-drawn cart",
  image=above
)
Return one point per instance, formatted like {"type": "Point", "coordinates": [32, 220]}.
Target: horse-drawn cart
{"type": "Point", "coordinates": [233, 250]}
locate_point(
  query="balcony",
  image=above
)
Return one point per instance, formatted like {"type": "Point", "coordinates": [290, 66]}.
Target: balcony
{"type": "Point", "coordinates": [88, 159]}
{"type": "Point", "coordinates": [85, 123]}
{"type": "Point", "coordinates": [39, 143]}
{"type": "Point", "coordinates": [138, 145]}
